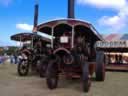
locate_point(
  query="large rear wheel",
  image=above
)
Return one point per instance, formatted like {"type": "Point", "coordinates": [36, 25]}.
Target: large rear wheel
{"type": "Point", "coordinates": [100, 66]}
{"type": "Point", "coordinates": [23, 67]}
{"type": "Point", "coordinates": [52, 75]}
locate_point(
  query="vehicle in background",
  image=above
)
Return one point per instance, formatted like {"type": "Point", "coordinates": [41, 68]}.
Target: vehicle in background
{"type": "Point", "coordinates": [32, 52]}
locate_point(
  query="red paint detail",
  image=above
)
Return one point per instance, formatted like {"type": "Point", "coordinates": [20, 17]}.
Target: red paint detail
{"type": "Point", "coordinates": [91, 69]}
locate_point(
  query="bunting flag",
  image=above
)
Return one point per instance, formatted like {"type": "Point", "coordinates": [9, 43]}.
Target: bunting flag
{"type": "Point", "coordinates": [35, 16]}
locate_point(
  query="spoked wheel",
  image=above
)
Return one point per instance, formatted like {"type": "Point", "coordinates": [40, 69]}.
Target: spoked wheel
{"type": "Point", "coordinates": [100, 66]}
{"type": "Point", "coordinates": [86, 81]}
{"type": "Point", "coordinates": [52, 75]}
{"type": "Point", "coordinates": [23, 68]}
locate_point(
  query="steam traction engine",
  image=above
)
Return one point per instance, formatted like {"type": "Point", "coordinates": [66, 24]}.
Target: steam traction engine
{"type": "Point", "coordinates": [73, 52]}
{"type": "Point", "coordinates": [31, 55]}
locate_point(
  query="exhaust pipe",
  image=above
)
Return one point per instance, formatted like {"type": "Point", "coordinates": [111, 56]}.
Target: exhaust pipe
{"type": "Point", "coordinates": [35, 16]}
{"type": "Point", "coordinates": [71, 8]}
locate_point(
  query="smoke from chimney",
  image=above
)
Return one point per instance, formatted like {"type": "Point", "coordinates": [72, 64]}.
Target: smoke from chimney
{"type": "Point", "coordinates": [71, 8]}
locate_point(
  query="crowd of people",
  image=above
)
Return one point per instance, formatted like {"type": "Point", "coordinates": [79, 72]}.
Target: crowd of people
{"type": "Point", "coordinates": [13, 59]}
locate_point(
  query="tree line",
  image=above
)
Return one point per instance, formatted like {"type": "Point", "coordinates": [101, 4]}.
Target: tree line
{"type": "Point", "coordinates": [8, 50]}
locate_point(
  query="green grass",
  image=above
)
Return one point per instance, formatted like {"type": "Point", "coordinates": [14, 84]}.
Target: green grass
{"type": "Point", "coordinates": [115, 84]}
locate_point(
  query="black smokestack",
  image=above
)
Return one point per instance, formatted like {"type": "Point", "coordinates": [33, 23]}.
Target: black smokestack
{"type": "Point", "coordinates": [35, 16]}
{"type": "Point", "coordinates": [71, 8]}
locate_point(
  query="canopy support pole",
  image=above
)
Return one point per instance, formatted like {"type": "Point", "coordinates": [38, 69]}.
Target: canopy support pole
{"type": "Point", "coordinates": [73, 34]}
{"type": "Point", "coordinates": [52, 37]}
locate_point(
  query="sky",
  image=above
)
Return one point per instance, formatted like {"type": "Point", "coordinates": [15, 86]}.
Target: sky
{"type": "Point", "coordinates": [107, 16]}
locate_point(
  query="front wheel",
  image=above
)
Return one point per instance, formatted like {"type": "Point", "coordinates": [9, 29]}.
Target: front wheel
{"type": "Point", "coordinates": [100, 66]}
{"type": "Point", "coordinates": [43, 68]}
{"type": "Point", "coordinates": [52, 75]}
{"type": "Point", "coordinates": [85, 78]}
{"type": "Point", "coordinates": [23, 67]}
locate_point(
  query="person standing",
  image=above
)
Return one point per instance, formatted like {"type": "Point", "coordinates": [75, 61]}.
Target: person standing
{"type": "Point", "coordinates": [15, 59]}
{"type": "Point", "coordinates": [11, 59]}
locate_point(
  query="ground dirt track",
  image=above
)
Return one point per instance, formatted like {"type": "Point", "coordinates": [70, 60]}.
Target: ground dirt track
{"type": "Point", "coordinates": [116, 84]}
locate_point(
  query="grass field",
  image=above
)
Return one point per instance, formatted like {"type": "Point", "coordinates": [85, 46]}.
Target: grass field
{"type": "Point", "coordinates": [115, 84]}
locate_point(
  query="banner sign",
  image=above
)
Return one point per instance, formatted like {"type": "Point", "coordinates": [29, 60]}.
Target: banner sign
{"type": "Point", "coordinates": [112, 44]}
